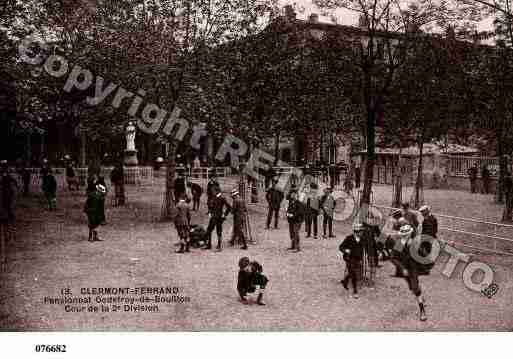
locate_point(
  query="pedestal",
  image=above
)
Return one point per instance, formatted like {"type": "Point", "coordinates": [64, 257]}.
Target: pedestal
{"type": "Point", "coordinates": [131, 158]}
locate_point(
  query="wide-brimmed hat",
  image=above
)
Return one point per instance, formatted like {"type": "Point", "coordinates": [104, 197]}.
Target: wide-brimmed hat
{"type": "Point", "coordinates": [406, 230]}
{"type": "Point", "coordinates": [235, 193]}
{"type": "Point", "coordinates": [424, 208]}
{"type": "Point", "coordinates": [101, 188]}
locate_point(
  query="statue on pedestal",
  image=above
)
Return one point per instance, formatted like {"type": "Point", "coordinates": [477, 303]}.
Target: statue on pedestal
{"type": "Point", "coordinates": [130, 151]}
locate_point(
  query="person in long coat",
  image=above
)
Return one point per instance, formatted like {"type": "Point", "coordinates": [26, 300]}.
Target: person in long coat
{"type": "Point", "coordinates": [182, 224]}
{"type": "Point", "coordinates": [239, 211]}
{"type": "Point", "coordinates": [94, 211]}
{"type": "Point", "coordinates": [352, 249]}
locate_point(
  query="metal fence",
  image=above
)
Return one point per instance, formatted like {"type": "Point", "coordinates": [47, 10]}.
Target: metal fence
{"type": "Point", "coordinates": [457, 166]}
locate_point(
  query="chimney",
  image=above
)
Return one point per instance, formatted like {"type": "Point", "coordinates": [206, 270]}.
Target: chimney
{"type": "Point", "coordinates": [362, 22]}
{"type": "Point", "coordinates": [314, 18]}
{"type": "Point", "coordinates": [290, 14]}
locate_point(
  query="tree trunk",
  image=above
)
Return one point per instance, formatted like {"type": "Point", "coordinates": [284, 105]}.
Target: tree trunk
{"type": "Point", "coordinates": [369, 164]}
{"type": "Point", "coordinates": [419, 182]}
{"type": "Point", "coordinates": [499, 194]}
{"type": "Point", "coordinates": [168, 205]}
{"type": "Point", "coordinates": [398, 182]}
{"type": "Point", "coordinates": [277, 149]}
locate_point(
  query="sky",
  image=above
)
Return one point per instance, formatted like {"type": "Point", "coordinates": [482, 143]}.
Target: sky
{"type": "Point", "coordinates": [346, 17]}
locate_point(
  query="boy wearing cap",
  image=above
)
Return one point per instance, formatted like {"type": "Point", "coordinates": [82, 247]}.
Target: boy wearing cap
{"type": "Point", "coordinates": [274, 198]}
{"type": "Point", "coordinates": [327, 204]}
{"type": "Point", "coordinates": [239, 216]}
{"type": "Point", "coordinates": [250, 277]}
{"type": "Point", "coordinates": [312, 211]}
{"type": "Point", "coordinates": [352, 249]}
{"type": "Point", "coordinates": [94, 210]}
{"type": "Point", "coordinates": [182, 224]}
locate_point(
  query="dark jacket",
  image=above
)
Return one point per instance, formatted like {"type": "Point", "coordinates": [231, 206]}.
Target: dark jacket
{"type": "Point", "coordinates": [274, 197]}
{"type": "Point", "coordinates": [70, 172]}
{"type": "Point", "coordinates": [430, 226]}
{"type": "Point", "coordinates": [94, 208]}
{"type": "Point", "coordinates": [239, 211]}
{"type": "Point", "coordinates": [312, 204]}
{"type": "Point", "coordinates": [219, 203]}
{"type": "Point", "coordinates": [355, 248]}
{"type": "Point", "coordinates": [472, 173]}
{"type": "Point", "coordinates": [212, 187]}
{"type": "Point", "coordinates": [327, 204]}
{"type": "Point", "coordinates": [49, 185]}
{"type": "Point", "coordinates": [196, 190]}
{"type": "Point", "coordinates": [116, 176]}
{"type": "Point", "coordinates": [295, 212]}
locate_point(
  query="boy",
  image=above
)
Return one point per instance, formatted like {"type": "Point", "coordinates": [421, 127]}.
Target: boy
{"type": "Point", "coordinates": [250, 276]}
{"type": "Point", "coordinates": [93, 209]}
{"type": "Point", "coordinates": [196, 192]}
{"type": "Point", "coordinates": [352, 249]}
{"type": "Point", "coordinates": [49, 187]}
{"type": "Point", "coordinates": [327, 205]}
{"type": "Point", "coordinates": [182, 223]}
{"type": "Point", "coordinates": [312, 211]}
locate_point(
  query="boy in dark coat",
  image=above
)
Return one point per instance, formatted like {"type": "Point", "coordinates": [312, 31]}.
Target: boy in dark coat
{"type": "Point", "coordinates": [274, 198]}
{"type": "Point", "coordinates": [182, 223]}
{"type": "Point", "coordinates": [327, 205]}
{"type": "Point", "coordinates": [93, 209]}
{"type": "Point", "coordinates": [352, 249]}
{"type": "Point", "coordinates": [312, 211]}
{"type": "Point", "coordinates": [239, 217]}
{"type": "Point", "coordinates": [218, 211]}
{"type": "Point", "coordinates": [250, 277]}
{"type": "Point", "coordinates": [49, 187]}
{"type": "Point", "coordinates": [295, 216]}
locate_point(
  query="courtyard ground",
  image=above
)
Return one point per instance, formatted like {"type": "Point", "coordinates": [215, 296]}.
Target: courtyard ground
{"type": "Point", "coordinates": [51, 252]}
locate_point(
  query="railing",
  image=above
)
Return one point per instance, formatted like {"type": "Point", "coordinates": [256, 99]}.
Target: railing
{"type": "Point", "coordinates": [457, 166]}
{"type": "Point", "coordinates": [496, 237]}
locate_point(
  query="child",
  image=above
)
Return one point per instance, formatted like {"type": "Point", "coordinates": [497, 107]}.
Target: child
{"type": "Point", "coordinates": [250, 276]}
{"type": "Point", "coordinates": [93, 209]}
{"type": "Point", "coordinates": [327, 205]}
{"type": "Point", "coordinates": [182, 223]}
{"type": "Point", "coordinates": [49, 187]}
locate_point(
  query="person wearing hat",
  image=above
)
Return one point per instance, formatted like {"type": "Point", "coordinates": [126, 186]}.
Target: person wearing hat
{"type": "Point", "coordinates": [196, 192]}
{"type": "Point", "coordinates": [327, 204]}
{"type": "Point", "coordinates": [182, 224]}
{"type": "Point", "coordinates": [218, 211]}
{"type": "Point", "coordinates": [94, 210]}
{"type": "Point", "coordinates": [274, 198]}
{"type": "Point", "coordinates": [239, 216]}
{"type": "Point", "coordinates": [71, 178]}
{"type": "Point", "coordinates": [390, 232]}
{"type": "Point", "coordinates": [429, 222]}
{"type": "Point", "coordinates": [352, 249]}
{"type": "Point", "coordinates": [250, 277]}
{"type": "Point", "coordinates": [295, 216]}
{"type": "Point", "coordinates": [312, 211]}
{"type": "Point", "coordinates": [410, 268]}
{"type": "Point", "coordinates": [49, 188]}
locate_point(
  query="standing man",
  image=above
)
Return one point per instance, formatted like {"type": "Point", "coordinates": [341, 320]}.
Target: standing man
{"type": "Point", "coordinates": [327, 204]}
{"type": "Point", "coordinates": [117, 178]}
{"type": "Point", "coordinates": [71, 179]}
{"type": "Point", "coordinates": [485, 176]}
{"type": "Point", "coordinates": [49, 187]}
{"type": "Point", "coordinates": [213, 188]}
{"type": "Point", "coordinates": [219, 210]}
{"type": "Point", "coordinates": [312, 211]}
{"type": "Point", "coordinates": [239, 217]}
{"type": "Point", "coordinates": [295, 216]}
{"type": "Point", "coordinates": [196, 192]}
{"type": "Point", "coordinates": [352, 249]}
{"type": "Point", "coordinates": [25, 179]}
{"type": "Point", "coordinates": [182, 224]}
{"type": "Point", "coordinates": [94, 211]}
{"type": "Point", "coordinates": [179, 187]}
{"type": "Point", "coordinates": [472, 174]}
{"type": "Point", "coordinates": [274, 198]}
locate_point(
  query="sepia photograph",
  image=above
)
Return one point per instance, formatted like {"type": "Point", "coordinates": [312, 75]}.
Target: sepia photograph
{"type": "Point", "coordinates": [256, 166]}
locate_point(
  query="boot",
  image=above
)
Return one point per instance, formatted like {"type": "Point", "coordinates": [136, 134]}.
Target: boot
{"type": "Point", "coordinates": [260, 298]}
{"type": "Point", "coordinates": [90, 236]}
{"type": "Point", "coordinates": [218, 248]}
{"type": "Point", "coordinates": [96, 238]}
{"type": "Point", "coordinates": [422, 314]}
{"type": "Point", "coordinates": [187, 245]}
{"type": "Point", "coordinates": [181, 249]}
{"type": "Point", "coordinates": [345, 283]}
